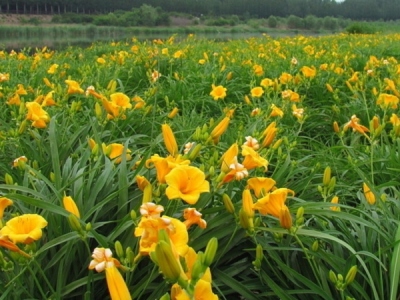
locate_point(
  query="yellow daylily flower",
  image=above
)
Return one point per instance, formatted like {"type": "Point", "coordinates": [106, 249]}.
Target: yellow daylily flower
{"type": "Point", "coordinates": [4, 202]}
{"type": "Point", "coordinates": [24, 229]}
{"type": "Point", "coordinates": [186, 183]}
{"type": "Point", "coordinates": [218, 92]}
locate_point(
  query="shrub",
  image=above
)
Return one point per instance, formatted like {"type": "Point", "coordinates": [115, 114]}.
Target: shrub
{"type": "Point", "coordinates": [295, 22]}
{"type": "Point", "coordinates": [272, 22]}
{"type": "Point", "coordinates": [360, 28]}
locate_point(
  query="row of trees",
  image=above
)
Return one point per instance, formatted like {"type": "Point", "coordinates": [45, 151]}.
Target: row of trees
{"type": "Point", "coordinates": [353, 9]}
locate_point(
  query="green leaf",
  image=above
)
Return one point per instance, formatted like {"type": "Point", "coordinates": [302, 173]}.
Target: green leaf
{"type": "Point", "coordinates": [235, 285]}
{"type": "Point", "coordinates": [395, 267]}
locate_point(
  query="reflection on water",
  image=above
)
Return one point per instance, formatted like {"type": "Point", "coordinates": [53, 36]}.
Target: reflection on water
{"type": "Point", "coordinates": [63, 42]}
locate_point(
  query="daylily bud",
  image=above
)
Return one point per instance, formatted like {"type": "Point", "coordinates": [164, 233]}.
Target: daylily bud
{"type": "Point", "coordinates": [133, 215]}
{"type": "Point", "coordinates": [315, 246]}
{"type": "Point", "coordinates": [336, 127]}
{"type": "Point", "coordinates": [277, 144]}
{"type": "Point", "coordinates": [327, 176]}
{"type": "Point", "coordinates": [169, 139]}
{"type": "Point", "coordinates": [351, 274]}
{"type": "Point", "coordinates": [130, 255]}
{"type": "Point", "coordinates": [193, 153]}
{"type": "Point", "coordinates": [198, 268]}
{"type": "Point", "coordinates": [88, 226]}
{"type": "Point", "coordinates": [98, 111]}
{"type": "Point", "coordinates": [165, 297]}
{"type": "Point", "coordinates": [247, 203]}
{"type": "Point", "coordinates": [167, 262]}
{"type": "Point", "coordinates": [173, 113]}
{"type": "Point", "coordinates": [119, 250]}
{"type": "Point", "coordinates": [22, 127]}
{"type": "Point", "coordinates": [244, 220]}
{"type": "Point", "coordinates": [300, 212]}
{"type": "Point", "coordinates": [74, 223]}
{"type": "Point", "coordinates": [70, 206]}
{"type": "Point", "coordinates": [219, 129]}
{"type": "Point", "coordinates": [147, 193]}
{"type": "Point", "coordinates": [210, 251]}
{"type": "Point", "coordinates": [285, 218]}
{"type": "Point", "coordinates": [8, 179]}
{"type": "Point", "coordinates": [52, 177]}
{"type": "Point", "coordinates": [332, 277]}
{"type": "Point", "coordinates": [228, 204]}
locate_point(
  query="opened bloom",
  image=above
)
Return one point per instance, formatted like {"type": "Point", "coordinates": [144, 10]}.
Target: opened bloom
{"type": "Point", "coordinates": [387, 100]}
{"type": "Point", "coordinates": [192, 216]}
{"type": "Point", "coordinates": [218, 92]}
{"type": "Point", "coordinates": [272, 203]}
{"type": "Point", "coordinates": [4, 202]}
{"type": "Point", "coordinates": [257, 92]}
{"type": "Point", "coordinates": [37, 115]}
{"type": "Point", "coordinates": [252, 158]}
{"type": "Point", "coordinates": [186, 183]}
{"type": "Point", "coordinates": [353, 123]}
{"type": "Point", "coordinates": [24, 229]}
{"type": "Point", "coordinates": [115, 151]}
{"type": "Point", "coordinates": [19, 160]}
{"type": "Point", "coordinates": [148, 230]}
{"type": "Point", "coordinates": [74, 87]}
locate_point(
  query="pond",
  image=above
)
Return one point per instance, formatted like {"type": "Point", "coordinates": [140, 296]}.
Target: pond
{"type": "Point", "coordinates": [58, 38]}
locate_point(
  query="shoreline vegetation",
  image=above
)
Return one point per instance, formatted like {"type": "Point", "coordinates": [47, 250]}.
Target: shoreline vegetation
{"type": "Point", "coordinates": [59, 31]}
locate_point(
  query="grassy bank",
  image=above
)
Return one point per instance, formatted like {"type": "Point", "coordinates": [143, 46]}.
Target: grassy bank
{"type": "Point", "coordinates": [249, 168]}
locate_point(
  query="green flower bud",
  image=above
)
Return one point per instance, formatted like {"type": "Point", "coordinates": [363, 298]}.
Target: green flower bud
{"type": "Point", "coordinates": [351, 274]}
{"type": "Point", "coordinates": [198, 268]}
{"type": "Point", "coordinates": [332, 277]}
{"type": "Point", "coordinates": [210, 251]}
{"type": "Point", "coordinates": [74, 223]}
{"type": "Point", "coordinates": [315, 246]}
{"type": "Point", "coordinates": [228, 204]}
{"type": "Point", "coordinates": [165, 297]}
{"type": "Point", "coordinates": [167, 262]}
{"type": "Point", "coordinates": [133, 215]}
{"type": "Point", "coordinates": [259, 252]}
{"type": "Point", "coordinates": [244, 219]}
{"type": "Point", "coordinates": [119, 250]}
{"type": "Point", "coordinates": [193, 153]}
{"type": "Point", "coordinates": [327, 176]}
{"type": "Point", "coordinates": [52, 177]}
{"type": "Point", "coordinates": [8, 179]}
{"type": "Point", "coordinates": [300, 212]}
{"type": "Point", "coordinates": [88, 226]}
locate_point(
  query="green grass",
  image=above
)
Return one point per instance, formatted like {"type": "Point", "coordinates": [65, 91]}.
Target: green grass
{"type": "Point", "coordinates": [309, 260]}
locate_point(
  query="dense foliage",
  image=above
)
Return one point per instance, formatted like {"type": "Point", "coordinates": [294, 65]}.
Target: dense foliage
{"type": "Point", "coordinates": [353, 9]}
{"type": "Point", "coordinates": [284, 152]}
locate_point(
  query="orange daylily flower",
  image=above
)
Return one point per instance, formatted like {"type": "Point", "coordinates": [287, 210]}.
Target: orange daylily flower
{"type": "Point", "coordinates": [192, 216]}
{"type": "Point", "coordinates": [353, 123]}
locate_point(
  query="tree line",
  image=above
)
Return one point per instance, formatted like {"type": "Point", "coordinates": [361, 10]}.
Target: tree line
{"type": "Point", "coordinates": [352, 9]}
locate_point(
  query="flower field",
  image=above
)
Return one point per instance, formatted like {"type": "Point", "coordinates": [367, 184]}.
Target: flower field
{"type": "Point", "coordinates": [188, 168]}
